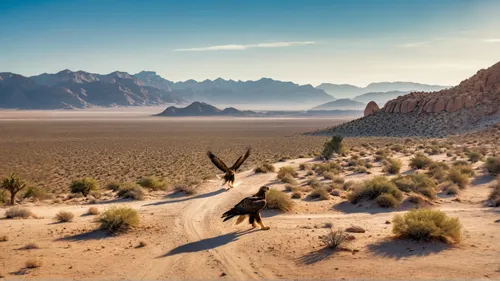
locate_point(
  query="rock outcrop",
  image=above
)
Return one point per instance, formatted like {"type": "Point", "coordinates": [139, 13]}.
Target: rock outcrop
{"type": "Point", "coordinates": [471, 106]}
{"type": "Point", "coordinates": [371, 108]}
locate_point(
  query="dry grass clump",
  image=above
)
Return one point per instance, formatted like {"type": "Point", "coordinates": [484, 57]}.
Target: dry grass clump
{"type": "Point", "coordinates": [186, 188]}
{"type": "Point", "coordinates": [152, 183]}
{"type": "Point", "coordinates": [31, 246]}
{"type": "Point", "coordinates": [286, 170]}
{"type": "Point", "coordinates": [297, 194]}
{"type": "Point", "coordinates": [84, 186]}
{"type": "Point", "coordinates": [62, 216]}
{"type": "Point", "coordinates": [329, 176]}
{"type": "Point", "coordinates": [331, 166]}
{"type": "Point", "coordinates": [338, 180]}
{"type": "Point", "coordinates": [265, 168]}
{"type": "Point", "coordinates": [418, 199]}
{"type": "Point", "coordinates": [320, 193]}
{"type": "Point", "coordinates": [279, 200]}
{"type": "Point", "coordinates": [37, 193]}
{"type": "Point", "coordinates": [427, 224]}
{"type": "Point", "coordinates": [495, 194]}
{"type": "Point", "coordinates": [4, 238]}
{"type": "Point", "coordinates": [420, 161]}
{"type": "Point", "coordinates": [18, 212]}
{"type": "Point", "coordinates": [393, 166]}
{"type": "Point", "coordinates": [382, 154]}
{"type": "Point", "coordinates": [452, 189]}
{"type": "Point", "coordinates": [313, 182]}
{"type": "Point", "coordinates": [335, 238]}
{"type": "Point", "coordinates": [438, 171]}
{"type": "Point", "coordinates": [493, 165]}
{"type": "Point", "coordinates": [387, 201]}
{"type": "Point", "coordinates": [456, 176]}
{"type": "Point", "coordinates": [288, 179]}
{"type": "Point", "coordinates": [93, 211]}
{"type": "Point", "coordinates": [371, 189]}
{"type": "Point", "coordinates": [33, 263]}
{"type": "Point", "coordinates": [118, 219]}
{"type": "Point", "coordinates": [305, 166]}
{"type": "Point", "coordinates": [418, 183]}
{"type": "Point", "coordinates": [130, 191]}
{"type": "Point", "coordinates": [113, 186]}
{"type": "Point", "coordinates": [475, 156]}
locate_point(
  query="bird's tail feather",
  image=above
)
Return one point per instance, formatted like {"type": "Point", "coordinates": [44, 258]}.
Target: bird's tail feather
{"type": "Point", "coordinates": [240, 219]}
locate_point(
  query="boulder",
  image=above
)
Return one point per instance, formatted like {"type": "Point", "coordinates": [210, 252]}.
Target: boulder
{"type": "Point", "coordinates": [371, 108]}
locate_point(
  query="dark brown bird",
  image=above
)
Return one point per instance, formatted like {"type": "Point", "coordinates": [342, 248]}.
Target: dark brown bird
{"type": "Point", "coordinates": [228, 172]}
{"type": "Point", "coordinates": [249, 207]}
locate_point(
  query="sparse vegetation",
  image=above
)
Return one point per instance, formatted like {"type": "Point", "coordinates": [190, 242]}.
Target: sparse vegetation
{"type": "Point", "coordinates": [420, 161]}
{"type": "Point", "coordinates": [118, 219]}
{"type": "Point", "coordinates": [371, 189]}
{"type": "Point", "coordinates": [152, 183]}
{"type": "Point", "coordinates": [418, 183]}
{"type": "Point", "coordinates": [456, 176]}
{"type": "Point", "coordinates": [130, 191]}
{"type": "Point", "coordinates": [31, 246]}
{"type": "Point", "coordinates": [13, 184]}
{"type": "Point", "coordinates": [84, 186]}
{"type": "Point", "coordinates": [387, 201]}
{"type": "Point", "coordinates": [320, 193]}
{"type": "Point", "coordinates": [495, 194]}
{"type": "Point", "coordinates": [36, 193]}
{"type": "Point", "coordinates": [187, 189]}
{"type": "Point", "coordinates": [286, 170]}
{"type": "Point", "coordinates": [475, 156]}
{"type": "Point", "coordinates": [142, 244]}
{"type": "Point", "coordinates": [4, 238]}
{"type": "Point", "coordinates": [493, 165]}
{"type": "Point", "coordinates": [113, 186]}
{"type": "Point", "coordinates": [64, 216]}
{"type": "Point", "coordinates": [393, 166]}
{"type": "Point", "coordinates": [265, 168]}
{"type": "Point", "coordinates": [427, 224]}
{"type": "Point", "coordinates": [279, 200]}
{"type": "Point", "coordinates": [334, 239]}
{"type": "Point", "coordinates": [33, 263]}
{"type": "Point", "coordinates": [452, 189]}
{"type": "Point", "coordinates": [93, 211]}
{"type": "Point", "coordinates": [438, 171]}
{"type": "Point", "coordinates": [18, 212]}
{"type": "Point", "coordinates": [334, 145]}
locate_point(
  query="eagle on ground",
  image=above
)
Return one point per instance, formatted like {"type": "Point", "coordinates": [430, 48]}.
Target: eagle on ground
{"type": "Point", "coordinates": [228, 172]}
{"type": "Point", "coordinates": [249, 207]}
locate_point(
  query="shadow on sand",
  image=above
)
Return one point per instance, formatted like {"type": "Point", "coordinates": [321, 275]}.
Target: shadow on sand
{"type": "Point", "coordinates": [398, 249]}
{"type": "Point", "coordinates": [482, 179]}
{"type": "Point", "coordinates": [208, 243]}
{"type": "Point", "coordinates": [204, 195]}
{"type": "Point", "coordinates": [92, 235]}
{"type": "Point", "coordinates": [349, 208]}
{"type": "Point", "coordinates": [316, 256]}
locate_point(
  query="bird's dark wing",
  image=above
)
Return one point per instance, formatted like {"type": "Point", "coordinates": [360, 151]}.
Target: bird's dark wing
{"type": "Point", "coordinates": [240, 161]}
{"type": "Point", "coordinates": [249, 205]}
{"type": "Point", "coordinates": [217, 162]}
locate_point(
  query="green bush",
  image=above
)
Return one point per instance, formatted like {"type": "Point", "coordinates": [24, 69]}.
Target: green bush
{"type": "Point", "coordinates": [36, 193]}
{"type": "Point", "coordinates": [493, 165]}
{"type": "Point", "coordinates": [130, 191]}
{"type": "Point", "coordinates": [334, 145]}
{"type": "Point", "coordinates": [13, 184]}
{"type": "Point", "coordinates": [113, 186]}
{"type": "Point", "coordinates": [152, 183]}
{"type": "Point", "coordinates": [418, 183]}
{"type": "Point", "coordinates": [371, 189]}
{"type": "Point", "coordinates": [387, 201]}
{"type": "Point", "coordinates": [84, 186]}
{"type": "Point", "coordinates": [279, 200]}
{"type": "Point", "coordinates": [118, 219]}
{"type": "Point", "coordinates": [420, 161]}
{"type": "Point", "coordinates": [393, 166]}
{"type": "Point", "coordinates": [427, 224]}
{"type": "Point", "coordinates": [286, 170]}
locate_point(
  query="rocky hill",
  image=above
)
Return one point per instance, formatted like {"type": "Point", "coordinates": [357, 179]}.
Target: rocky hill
{"type": "Point", "coordinates": [472, 105]}
{"type": "Point", "coordinates": [340, 104]}
{"type": "Point", "coordinates": [203, 109]}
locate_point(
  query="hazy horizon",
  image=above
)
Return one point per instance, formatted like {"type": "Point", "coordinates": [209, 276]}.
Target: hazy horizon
{"type": "Point", "coordinates": [355, 42]}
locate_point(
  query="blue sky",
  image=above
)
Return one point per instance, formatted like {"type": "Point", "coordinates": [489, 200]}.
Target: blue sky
{"type": "Point", "coordinates": [357, 42]}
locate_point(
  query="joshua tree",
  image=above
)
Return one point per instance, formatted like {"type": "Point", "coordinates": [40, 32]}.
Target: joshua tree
{"type": "Point", "coordinates": [13, 184]}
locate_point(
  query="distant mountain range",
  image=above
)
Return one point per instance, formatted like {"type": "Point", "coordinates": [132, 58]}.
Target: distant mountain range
{"type": "Point", "coordinates": [379, 97]}
{"type": "Point", "coordinates": [346, 104]}
{"type": "Point", "coordinates": [201, 109]}
{"type": "Point", "coordinates": [350, 91]}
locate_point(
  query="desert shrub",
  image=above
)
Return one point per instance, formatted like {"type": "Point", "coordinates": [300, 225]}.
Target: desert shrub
{"type": "Point", "coordinates": [31, 246]}
{"type": "Point", "coordinates": [361, 170]}
{"type": "Point", "coordinates": [418, 199]}
{"type": "Point", "coordinates": [152, 183]}
{"type": "Point", "coordinates": [296, 194]}
{"type": "Point", "coordinates": [475, 156]}
{"type": "Point", "coordinates": [452, 189]}
{"type": "Point", "coordinates": [142, 244]}
{"type": "Point", "coordinates": [93, 211]}
{"type": "Point", "coordinates": [320, 192]}
{"type": "Point", "coordinates": [13, 184]}
{"type": "Point", "coordinates": [494, 196]}
{"type": "Point", "coordinates": [338, 180]}
{"type": "Point", "coordinates": [420, 161]}
{"type": "Point", "coordinates": [393, 167]}
{"type": "Point", "coordinates": [130, 191]}
{"type": "Point", "coordinates": [113, 186]}
{"type": "Point", "coordinates": [118, 219]}
{"type": "Point", "coordinates": [18, 212]}
{"type": "Point", "coordinates": [456, 176]}
{"type": "Point", "coordinates": [335, 238]}
{"type": "Point", "coordinates": [418, 183]}
{"type": "Point", "coordinates": [387, 201]}
{"type": "Point", "coordinates": [397, 148]}
{"type": "Point", "coordinates": [288, 179]}
{"type": "Point", "coordinates": [382, 154]}
{"type": "Point", "coordinates": [334, 145]}
{"type": "Point", "coordinates": [328, 176]}
{"type": "Point", "coordinates": [264, 168]}
{"type": "Point", "coordinates": [4, 238]}
{"type": "Point", "coordinates": [313, 182]}
{"type": "Point", "coordinates": [466, 170]}
{"type": "Point", "coordinates": [433, 150]}
{"type": "Point", "coordinates": [64, 216]}
{"type": "Point", "coordinates": [290, 187]}
{"type": "Point", "coordinates": [283, 171]}
{"type": "Point", "coordinates": [187, 189]}
{"type": "Point", "coordinates": [460, 163]}
{"type": "Point", "coordinates": [36, 193]}
{"type": "Point", "coordinates": [493, 165]}
{"type": "Point", "coordinates": [373, 188]}
{"type": "Point", "coordinates": [427, 224]}
{"type": "Point", "coordinates": [33, 263]}
{"type": "Point", "coordinates": [438, 171]}
{"type": "Point", "coordinates": [304, 166]}
{"type": "Point", "coordinates": [84, 186]}
{"type": "Point", "coordinates": [279, 200]}
{"type": "Point", "coordinates": [331, 166]}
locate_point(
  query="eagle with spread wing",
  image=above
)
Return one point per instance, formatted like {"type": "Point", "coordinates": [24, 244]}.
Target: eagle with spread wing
{"type": "Point", "coordinates": [228, 172]}
{"type": "Point", "coordinates": [249, 207]}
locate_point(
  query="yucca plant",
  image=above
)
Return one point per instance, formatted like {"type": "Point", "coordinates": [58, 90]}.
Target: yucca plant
{"type": "Point", "coordinates": [13, 184]}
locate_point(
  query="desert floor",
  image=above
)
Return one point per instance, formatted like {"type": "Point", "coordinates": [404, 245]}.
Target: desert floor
{"type": "Point", "coordinates": [185, 236]}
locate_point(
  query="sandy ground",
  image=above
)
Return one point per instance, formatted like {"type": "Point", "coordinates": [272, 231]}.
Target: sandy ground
{"type": "Point", "coordinates": [187, 239]}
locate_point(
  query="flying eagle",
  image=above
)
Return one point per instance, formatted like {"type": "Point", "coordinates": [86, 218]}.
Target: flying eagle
{"type": "Point", "coordinates": [249, 207]}
{"type": "Point", "coordinates": [228, 172]}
